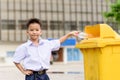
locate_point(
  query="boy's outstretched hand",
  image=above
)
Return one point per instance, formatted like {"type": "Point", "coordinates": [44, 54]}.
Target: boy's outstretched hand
{"type": "Point", "coordinates": [72, 33]}
{"type": "Point", "coordinates": [75, 33]}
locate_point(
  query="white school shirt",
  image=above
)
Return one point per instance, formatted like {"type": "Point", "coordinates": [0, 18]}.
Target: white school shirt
{"type": "Point", "coordinates": [36, 57]}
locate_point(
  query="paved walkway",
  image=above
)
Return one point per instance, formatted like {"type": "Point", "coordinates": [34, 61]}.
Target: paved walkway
{"type": "Point", "coordinates": [57, 71]}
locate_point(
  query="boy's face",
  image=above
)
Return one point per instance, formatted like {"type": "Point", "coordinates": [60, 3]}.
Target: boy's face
{"type": "Point", "coordinates": [34, 31]}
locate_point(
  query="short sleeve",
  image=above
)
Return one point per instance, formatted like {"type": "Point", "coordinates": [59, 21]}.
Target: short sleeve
{"type": "Point", "coordinates": [55, 45]}
{"type": "Point", "coordinates": [19, 54]}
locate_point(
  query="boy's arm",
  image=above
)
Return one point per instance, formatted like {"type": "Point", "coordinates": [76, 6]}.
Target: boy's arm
{"type": "Point", "coordinates": [73, 33]}
{"type": "Point", "coordinates": [26, 72]}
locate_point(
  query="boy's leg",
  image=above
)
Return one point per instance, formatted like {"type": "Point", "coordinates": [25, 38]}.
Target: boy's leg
{"type": "Point", "coordinates": [30, 77]}
{"type": "Point", "coordinates": [42, 77]}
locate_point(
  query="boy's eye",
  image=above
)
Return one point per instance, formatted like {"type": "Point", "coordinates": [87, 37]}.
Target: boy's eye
{"type": "Point", "coordinates": [34, 30]}
{"type": "Point", "coordinates": [31, 30]}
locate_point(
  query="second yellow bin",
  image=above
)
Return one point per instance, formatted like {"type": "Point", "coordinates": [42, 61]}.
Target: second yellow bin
{"type": "Point", "coordinates": [101, 53]}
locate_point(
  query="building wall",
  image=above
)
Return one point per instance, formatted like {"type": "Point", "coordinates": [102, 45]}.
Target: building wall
{"type": "Point", "coordinates": [58, 16]}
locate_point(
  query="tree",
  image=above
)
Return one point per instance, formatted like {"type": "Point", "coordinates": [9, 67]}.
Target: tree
{"type": "Point", "coordinates": [114, 14]}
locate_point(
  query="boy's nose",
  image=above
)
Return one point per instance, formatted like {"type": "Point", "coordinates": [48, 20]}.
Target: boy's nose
{"type": "Point", "coordinates": [34, 31]}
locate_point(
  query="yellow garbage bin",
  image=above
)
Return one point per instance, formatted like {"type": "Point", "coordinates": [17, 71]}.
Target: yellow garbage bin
{"type": "Point", "coordinates": [101, 53]}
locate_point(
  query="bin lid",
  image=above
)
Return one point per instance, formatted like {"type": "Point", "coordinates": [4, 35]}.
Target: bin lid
{"type": "Point", "coordinates": [101, 36]}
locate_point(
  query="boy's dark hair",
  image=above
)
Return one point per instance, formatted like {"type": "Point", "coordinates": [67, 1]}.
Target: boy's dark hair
{"type": "Point", "coordinates": [33, 20]}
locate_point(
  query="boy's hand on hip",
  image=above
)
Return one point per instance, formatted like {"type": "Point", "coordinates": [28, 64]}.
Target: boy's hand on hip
{"type": "Point", "coordinates": [27, 72]}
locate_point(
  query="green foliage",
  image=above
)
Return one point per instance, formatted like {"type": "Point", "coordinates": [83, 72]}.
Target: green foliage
{"type": "Point", "coordinates": [113, 16]}
{"type": "Point", "coordinates": [108, 14]}
{"type": "Point", "coordinates": [114, 13]}
{"type": "Point", "coordinates": [115, 7]}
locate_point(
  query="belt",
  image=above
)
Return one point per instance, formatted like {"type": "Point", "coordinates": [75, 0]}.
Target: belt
{"type": "Point", "coordinates": [40, 72]}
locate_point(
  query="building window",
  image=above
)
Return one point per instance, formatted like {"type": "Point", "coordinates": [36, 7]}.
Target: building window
{"type": "Point", "coordinates": [56, 25]}
{"type": "Point", "coordinates": [8, 24]}
{"type": "Point", "coordinates": [70, 25]}
{"type": "Point", "coordinates": [73, 54]}
{"type": "Point", "coordinates": [22, 24]}
{"type": "Point", "coordinates": [83, 24]}
{"type": "Point", "coordinates": [44, 25]}
{"type": "Point", "coordinates": [10, 53]}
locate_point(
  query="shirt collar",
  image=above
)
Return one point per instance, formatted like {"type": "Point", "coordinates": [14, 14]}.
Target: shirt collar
{"type": "Point", "coordinates": [29, 42]}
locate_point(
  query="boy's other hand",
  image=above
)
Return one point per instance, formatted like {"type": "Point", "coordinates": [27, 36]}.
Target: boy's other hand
{"type": "Point", "coordinates": [27, 72]}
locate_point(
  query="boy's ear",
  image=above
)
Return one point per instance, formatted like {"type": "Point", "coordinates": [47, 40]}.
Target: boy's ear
{"type": "Point", "coordinates": [41, 32]}
{"type": "Point", "coordinates": [27, 32]}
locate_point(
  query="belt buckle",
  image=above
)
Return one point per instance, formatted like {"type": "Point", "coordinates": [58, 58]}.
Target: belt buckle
{"type": "Point", "coordinates": [40, 72]}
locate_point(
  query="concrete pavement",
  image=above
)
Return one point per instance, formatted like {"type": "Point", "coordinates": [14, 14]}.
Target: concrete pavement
{"type": "Point", "coordinates": [57, 71]}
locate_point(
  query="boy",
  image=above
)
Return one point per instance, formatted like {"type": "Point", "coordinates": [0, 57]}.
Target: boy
{"type": "Point", "coordinates": [36, 52]}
